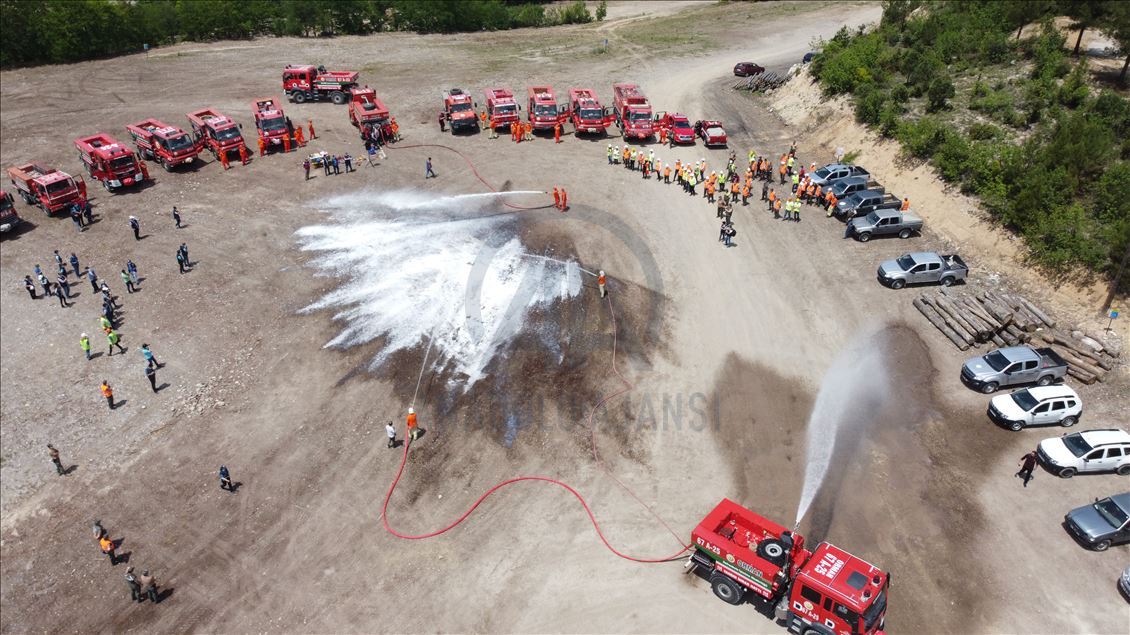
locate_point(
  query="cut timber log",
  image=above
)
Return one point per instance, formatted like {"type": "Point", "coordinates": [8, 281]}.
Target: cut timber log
{"type": "Point", "coordinates": [936, 320]}
{"type": "Point", "coordinates": [1000, 313]}
{"type": "Point", "coordinates": [1050, 323]}
{"type": "Point", "coordinates": [980, 312]}
{"type": "Point", "coordinates": [1086, 378]}
{"type": "Point", "coordinates": [958, 317]}
{"type": "Point", "coordinates": [1079, 364]}
{"type": "Point", "coordinates": [950, 321]}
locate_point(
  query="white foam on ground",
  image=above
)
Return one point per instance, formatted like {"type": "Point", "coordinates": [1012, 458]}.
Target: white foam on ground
{"type": "Point", "coordinates": [404, 261]}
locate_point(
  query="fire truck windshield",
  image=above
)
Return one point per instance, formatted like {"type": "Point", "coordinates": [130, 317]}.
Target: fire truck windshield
{"type": "Point", "coordinates": [178, 143]}
{"type": "Point", "coordinates": [506, 109]}
{"type": "Point", "coordinates": [277, 123]}
{"type": "Point", "coordinates": [874, 612]}
{"type": "Point", "coordinates": [591, 113]}
{"type": "Point", "coordinates": [59, 187]}
{"type": "Point", "coordinates": [227, 133]}
{"type": "Point", "coordinates": [640, 116]}
{"type": "Point", "coordinates": [460, 107]}
{"type": "Point", "coordinates": [545, 110]}
{"type": "Point", "coordinates": [124, 162]}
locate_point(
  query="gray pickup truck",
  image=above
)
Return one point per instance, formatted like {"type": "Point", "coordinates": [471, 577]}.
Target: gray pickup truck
{"type": "Point", "coordinates": [849, 185]}
{"type": "Point", "coordinates": [1012, 366]}
{"type": "Point", "coordinates": [864, 202]}
{"type": "Point", "coordinates": [833, 171]}
{"type": "Point", "coordinates": [886, 222]}
{"type": "Point", "coordinates": [923, 266]}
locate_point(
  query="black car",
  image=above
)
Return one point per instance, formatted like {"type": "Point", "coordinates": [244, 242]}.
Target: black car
{"type": "Point", "coordinates": [1101, 524]}
{"type": "Point", "coordinates": [809, 56]}
{"type": "Point", "coordinates": [745, 69]}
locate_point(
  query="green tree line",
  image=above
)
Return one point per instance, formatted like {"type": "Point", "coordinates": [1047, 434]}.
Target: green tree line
{"type": "Point", "coordinates": [57, 31]}
{"type": "Point", "coordinates": [1016, 121]}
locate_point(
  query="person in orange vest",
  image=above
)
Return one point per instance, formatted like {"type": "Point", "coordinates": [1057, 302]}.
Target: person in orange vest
{"type": "Point", "coordinates": [667, 174]}
{"type": "Point", "coordinates": [310, 123]}
{"type": "Point", "coordinates": [772, 199]}
{"type": "Point", "coordinates": [413, 428]}
{"type": "Point", "coordinates": [529, 131]}
{"type": "Point", "coordinates": [262, 147]}
{"type": "Point", "coordinates": [108, 393]}
{"type": "Point", "coordinates": [709, 191]}
{"type": "Point", "coordinates": [224, 159]}
{"type": "Point", "coordinates": [107, 547]}
{"type": "Point", "coordinates": [905, 205]}
{"type": "Point", "coordinates": [734, 192]}
{"type": "Point", "coordinates": [564, 200]}
{"type": "Point", "coordinates": [286, 143]}
{"type": "Point", "coordinates": [831, 204]}
{"type": "Point", "coordinates": [556, 198]}
{"type": "Point", "coordinates": [776, 208]}
{"type": "Point", "coordinates": [514, 131]}
{"type": "Point", "coordinates": [557, 133]}
{"type": "Point", "coordinates": [818, 196]}
{"type": "Point", "coordinates": [784, 170]}
{"type": "Point", "coordinates": [745, 193]}
{"type": "Point", "coordinates": [663, 135]}
{"type": "Point", "coordinates": [483, 119]}
{"type": "Point", "coordinates": [299, 138]}
{"type": "Point", "coordinates": [243, 155]}
{"type": "Point", "coordinates": [600, 282]}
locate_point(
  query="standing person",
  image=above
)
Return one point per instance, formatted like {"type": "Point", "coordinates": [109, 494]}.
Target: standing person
{"type": "Point", "coordinates": [29, 284]}
{"type": "Point", "coordinates": [135, 225]}
{"type": "Point", "coordinates": [113, 338]}
{"type": "Point", "coordinates": [1027, 464]}
{"type": "Point", "coordinates": [765, 191]}
{"type": "Point", "coordinates": [225, 479]}
{"type": "Point", "coordinates": [151, 375]}
{"type": "Point", "coordinates": [556, 198]}
{"type": "Point", "coordinates": [413, 428]}
{"type": "Point", "coordinates": [176, 216]}
{"type": "Point", "coordinates": [390, 430]}
{"type": "Point", "coordinates": [88, 212]}
{"type": "Point", "coordinates": [107, 547]}
{"type": "Point", "coordinates": [131, 269]}
{"type": "Point", "coordinates": [55, 459]}
{"type": "Point", "coordinates": [310, 124]}
{"type": "Point", "coordinates": [74, 264]}
{"type": "Point", "coordinates": [134, 586]}
{"type": "Point", "coordinates": [348, 158]}
{"type": "Point", "coordinates": [76, 218]}
{"type": "Point", "coordinates": [150, 359]}
{"type": "Point", "coordinates": [299, 137]}
{"type": "Point", "coordinates": [99, 531]}
{"type": "Point", "coordinates": [442, 120]}
{"type": "Point", "coordinates": [337, 165]}
{"type": "Point", "coordinates": [601, 281]}
{"type": "Point", "coordinates": [327, 166]}
{"type": "Point", "coordinates": [184, 250]}
{"type": "Point", "coordinates": [306, 166]}
{"type": "Point", "coordinates": [557, 133]}
{"type": "Point", "coordinates": [180, 261]}
{"type": "Point", "coordinates": [59, 263]}
{"type": "Point", "coordinates": [127, 280]}
{"type": "Point", "coordinates": [61, 282]}
{"type": "Point", "coordinates": [564, 200]}
{"type": "Point", "coordinates": [93, 278]}
{"type": "Point", "coordinates": [262, 147]}
{"type": "Point", "coordinates": [44, 282]}
{"type": "Point", "coordinates": [428, 172]}
{"type": "Point", "coordinates": [62, 298]}
{"type": "Point", "coordinates": [84, 342]}
{"type": "Point", "coordinates": [149, 582]}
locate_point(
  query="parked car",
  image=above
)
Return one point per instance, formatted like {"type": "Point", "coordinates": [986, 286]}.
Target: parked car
{"type": "Point", "coordinates": [1101, 524]}
{"type": "Point", "coordinates": [848, 185]}
{"type": "Point", "coordinates": [834, 171]}
{"type": "Point", "coordinates": [864, 202]}
{"type": "Point", "coordinates": [745, 69]}
{"type": "Point", "coordinates": [923, 266]}
{"type": "Point", "coordinates": [678, 127]}
{"type": "Point", "coordinates": [1124, 583]}
{"type": "Point", "coordinates": [1038, 406]}
{"type": "Point", "coordinates": [1086, 451]}
{"type": "Point", "coordinates": [886, 222]}
{"type": "Point", "coordinates": [809, 56]}
{"type": "Point", "coordinates": [712, 132]}
{"type": "Point", "coordinates": [1013, 366]}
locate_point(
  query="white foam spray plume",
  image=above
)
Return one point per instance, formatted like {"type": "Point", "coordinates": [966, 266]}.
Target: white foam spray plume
{"type": "Point", "coordinates": [414, 266]}
{"type": "Point", "coordinates": [852, 391]}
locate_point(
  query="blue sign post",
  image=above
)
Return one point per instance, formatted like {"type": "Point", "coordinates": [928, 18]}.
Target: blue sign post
{"type": "Point", "coordinates": [1113, 314]}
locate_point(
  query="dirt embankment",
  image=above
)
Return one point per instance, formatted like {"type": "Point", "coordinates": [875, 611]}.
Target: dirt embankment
{"type": "Point", "coordinates": [993, 252]}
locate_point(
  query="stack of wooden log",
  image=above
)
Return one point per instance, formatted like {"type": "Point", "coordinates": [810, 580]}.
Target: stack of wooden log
{"type": "Point", "coordinates": [976, 317]}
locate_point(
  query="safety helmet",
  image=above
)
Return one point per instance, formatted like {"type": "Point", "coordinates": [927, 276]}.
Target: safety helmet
{"type": "Point", "coordinates": [411, 410]}
{"type": "Point", "coordinates": [602, 272]}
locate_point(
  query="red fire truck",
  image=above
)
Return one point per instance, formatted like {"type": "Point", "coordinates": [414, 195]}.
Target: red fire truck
{"type": "Point", "coordinates": [307, 83]}
{"type": "Point", "coordinates": [47, 188]}
{"type": "Point", "coordinates": [502, 110]}
{"type": "Point", "coordinates": [541, 108]}
{"type": "Point", "coordinates": [215, 131]}
{"type": "Point", "coordinates": [9, 219]}
{"type": "Point", "coordinates": [823, 592]}
{"type": "Point", "coordinates": [110, 163]}
{"type": "Point", "coordinates": [270, 124]}
{"type": "Point", "coordinates": [586, 113]}
{"type": "Point", "coordinates": [633, 112]}
{"type": "Point", "coordinates": [160, 142]}
{"type": "Point", "coordinates": [459, 111]}
{"type": "Point", "coordinates": [365, 108]}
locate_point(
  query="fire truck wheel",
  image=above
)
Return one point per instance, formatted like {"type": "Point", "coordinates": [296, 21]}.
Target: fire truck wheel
{"type": "Point", "coordinates": [772, 550]}
{"type": "Point", "coordinates": [337, 97]}
{"type": "Point", "coordinates": [726, 589]}
{"type": "Point", "coordinates": [298, 97]}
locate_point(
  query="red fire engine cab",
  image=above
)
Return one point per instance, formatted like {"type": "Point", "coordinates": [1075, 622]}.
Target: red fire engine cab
{"type": "Point", "coordinates": [109, 162]}
{"type": "Point", "coordinates": [823, 592]}
{"type": "Point", "coordinates": [586, 112]}
{"type": "Point", "coordinates": [541, 109]}
{"type": "Point", "coordinates": [160, 142]}
{"type": "Point", "coordinates": [48, 189]}
{"type": "Point", "coordinates": [502, 110]}
{"type": "Point", "coordinates": [271, 124]}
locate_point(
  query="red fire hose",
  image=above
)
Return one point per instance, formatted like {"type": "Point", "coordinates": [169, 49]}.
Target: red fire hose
{"type": "Point", "coordinates": [596, 455]}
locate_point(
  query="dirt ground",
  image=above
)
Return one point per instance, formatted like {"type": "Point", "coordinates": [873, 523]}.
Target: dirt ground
{"type": "Point", "coordinates": [726, 349]}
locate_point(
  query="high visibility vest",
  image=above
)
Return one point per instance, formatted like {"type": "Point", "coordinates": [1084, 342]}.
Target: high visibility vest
{"type": "Point", "coordinates": [791, 162]}
{"type": "Point", "coordinates": [600, 280]}
{"type": "Point", "coordinates": [772, 195]}
{"type": "Point", "coordinates": [106, 544]}
{"type": "Point", "coordinates": [106, 390]}
{"type": "Point", "coordinates": [796, 179]}
{"type": "Point", "coordinates": [411, 420]}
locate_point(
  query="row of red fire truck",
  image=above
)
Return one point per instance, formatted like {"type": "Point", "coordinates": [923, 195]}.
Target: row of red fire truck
{"type": "Point", "coordinates": [631, 112]}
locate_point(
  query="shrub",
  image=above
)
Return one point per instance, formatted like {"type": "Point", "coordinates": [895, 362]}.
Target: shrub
{"type": "Point", "coordinates": [984, 131]}
{"type": "Point", "coordinates": [868, 104]}
{"type": "Point", "coordinates": [922, 137]}
{"type": "Point", "coordinates": [940, 90]}
{"type": "Point", "coordinates": [601, 10]}
{"type": "Point", "coordinates": [952, 157]}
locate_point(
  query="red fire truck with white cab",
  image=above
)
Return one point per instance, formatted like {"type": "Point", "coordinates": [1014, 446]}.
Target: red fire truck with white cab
{"type": "Point", "coordinates": [502, 110]}
{"type": "Point", "coordinates": [633, 112]}
{"type": "Point", "coordinates": [586, 113]}
{"type": "Point", "coordinates": [110, 163]}
{"type": "Point", "coordinates": [823, 592]}
{"type": "Point", "coordinates": [215, 131]}
{"type": "Point", "coordinates": [158, 141]}
{"type": "Point", "coordinates": [271, 125]}
{"type": "Point", "coordinates": [48, 189]}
